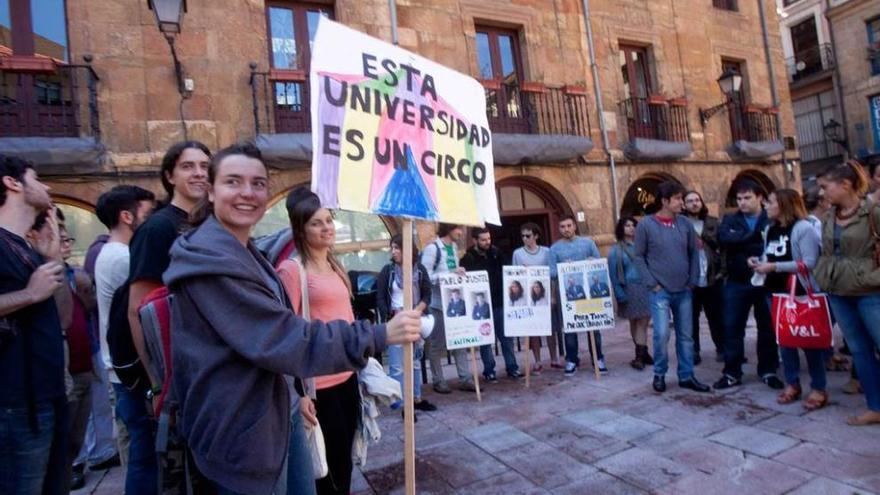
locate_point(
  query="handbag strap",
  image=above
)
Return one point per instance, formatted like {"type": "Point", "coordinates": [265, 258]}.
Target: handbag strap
{"type": "Point", "coordinates": [308, 383]}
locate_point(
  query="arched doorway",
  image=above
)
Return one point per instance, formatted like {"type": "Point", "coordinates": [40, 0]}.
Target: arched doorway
{"type": "Point", "coordinates": [82, 225]}
{"type": "Point", "coordinates": [767, 184]}
{"type": "Point", "coordinates": [361, 238]}
{"type": "Point", "coordinates": [522, 200]}
{"type": "Point", "coordinates": [640, 197]}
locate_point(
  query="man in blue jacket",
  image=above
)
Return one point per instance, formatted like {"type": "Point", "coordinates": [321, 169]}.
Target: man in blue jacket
{"type": "Point", "coordinates": [740, 236]}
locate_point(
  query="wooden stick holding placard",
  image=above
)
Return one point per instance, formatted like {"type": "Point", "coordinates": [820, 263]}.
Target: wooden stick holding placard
{"type": "Point", "coordinates": [476, 375]}
{"type": "Point", "coordinates": [409, 428]}
{"type": "Point", "coordinates": [528, 374]}
{"type": "Point", "coordinates": [594, 353]}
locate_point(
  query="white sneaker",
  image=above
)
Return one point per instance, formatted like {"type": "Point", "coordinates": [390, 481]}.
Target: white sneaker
{"type": "Point", "coordinates": [601, 364]}
{"type": "Point", "coordinates": [570, 368]}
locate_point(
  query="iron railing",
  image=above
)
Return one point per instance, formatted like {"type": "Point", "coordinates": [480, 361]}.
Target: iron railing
{"type": "Point", "coordinates": [751, 123]}
{"type": "Point", "coordinates": [808, 62]}
{"type": "Point", "coordinates": [63, 103]}
{"type": "Point", "coordinates": [534, 108]}
{"type": "Point", "coordinates": [653, 118]}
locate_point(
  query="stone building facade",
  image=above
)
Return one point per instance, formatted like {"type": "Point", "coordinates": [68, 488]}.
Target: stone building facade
{"type": "Point", "coordinates": [657, 63]}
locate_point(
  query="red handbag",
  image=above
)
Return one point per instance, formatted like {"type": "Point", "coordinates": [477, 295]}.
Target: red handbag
{"type": "Point", "coordinates": [802, 322]}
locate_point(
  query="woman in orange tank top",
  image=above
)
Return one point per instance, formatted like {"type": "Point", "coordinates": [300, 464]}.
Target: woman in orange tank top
{"type": "Point", "coordinates": [337, 403]}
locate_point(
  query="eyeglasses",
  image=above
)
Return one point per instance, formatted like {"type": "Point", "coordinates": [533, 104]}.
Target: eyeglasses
{"type": "Point", "coordinates": [526, 236]}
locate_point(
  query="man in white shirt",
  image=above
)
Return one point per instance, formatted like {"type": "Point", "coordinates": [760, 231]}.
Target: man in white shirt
{"type": "Point", "coordinates": [122, 210]}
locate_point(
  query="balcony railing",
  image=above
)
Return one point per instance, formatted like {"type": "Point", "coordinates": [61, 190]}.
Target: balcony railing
{"type": "Point", "coordinates": [48, 101]}
{"type": "Point", "coordinates": [752, 123]}
{"type": "Point", "coordinates": [808, 62]}
{"type": "Point", "coordinates": [656, 118]}
{"type": "Point", "coordinates": [533, 108]}
{"type": "Point", "coordinates": [281, 101]}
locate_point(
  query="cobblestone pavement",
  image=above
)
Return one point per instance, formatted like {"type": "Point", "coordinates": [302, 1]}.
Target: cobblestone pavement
{"type": "Point", "coordinates": [581, 435]}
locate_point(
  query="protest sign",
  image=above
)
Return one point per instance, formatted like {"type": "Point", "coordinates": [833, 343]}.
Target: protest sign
{"type": "Point", "coordinates": [585, 292]}
{"type": "Point", "coordinates": [526, 301]}
{"type": "Point", "coordinates": [397, 134]}
{"type": "Point", "coordinates": [467, 309]}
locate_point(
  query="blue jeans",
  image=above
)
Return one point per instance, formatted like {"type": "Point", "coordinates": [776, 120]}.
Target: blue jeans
{"type": "Point", "coordinates": [142, 470]}
{"type": "Point", "coordinates": [791, 366]}
{"type": "Point", "coordinates": [662, 302]}
{"type": "Point", "coordinates": [395, 369]}
{"type": "Point", "coordinates": [739, 298]}
{"type": "Point", "coordinates": [100, 445]}
{"type": "Point", "coordinates": [486, 354]}
{"type": "Point", "coordinates": [859, 318]}
{"type": "Point", "coordinates": [24, 453]}
{"type": "Point", "coordinates": [300, 477]}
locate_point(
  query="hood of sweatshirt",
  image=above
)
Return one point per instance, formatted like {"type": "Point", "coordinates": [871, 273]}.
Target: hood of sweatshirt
{"type": "Point", "coordinates": [211, 250]}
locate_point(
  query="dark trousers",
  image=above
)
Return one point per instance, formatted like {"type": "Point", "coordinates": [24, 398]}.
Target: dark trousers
{"type": "Point", "coordinates": [739, 298]}
{"type": "Point", "coordinates": [709, 300]}
{"type": "Point", "coordinates": [338, 408]}
{"type": "Point", "coordinates": [142, 471]}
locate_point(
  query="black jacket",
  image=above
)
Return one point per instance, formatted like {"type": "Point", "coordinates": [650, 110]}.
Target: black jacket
{"type": "Point", "coordinates": [713, 249]}
{"type": "Point", "coordinates": [740, 244]}
{"type": "Point", "coordinates": [383, 289]}
{"type": "Point", "coordinates": [493, 262]}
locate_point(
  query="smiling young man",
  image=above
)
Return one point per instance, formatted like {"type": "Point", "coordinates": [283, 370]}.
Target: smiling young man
{"type": "Point", "coordinates": [741, 237]}
{"type": "Point", "coordinates": [666, 254]}
{"type": "Point", "coordinates": [185, 179]}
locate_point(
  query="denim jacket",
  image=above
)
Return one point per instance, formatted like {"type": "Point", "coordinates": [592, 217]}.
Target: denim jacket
{"type": "Point", "coordinates": [631, 273]}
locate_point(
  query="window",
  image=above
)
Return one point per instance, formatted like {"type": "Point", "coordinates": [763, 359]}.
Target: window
{"type": "Point", "coordinates": [498, 60]}
{"type": "Point", "coordinates": [292, 28]}
{"type": "Point", "coordinates": [805, 42]}
{"type": "Point", "coordinates": [874, 45]}
{"type": "Point", "coordinates": [361, 239]}
{"type": "Point", "coordinates": [635, 70]}
{"type": "Point", "coordinates": [810, 116]}
{"type": "Point", "coordinates": [30, 27]}
{"type": "Point", "coordinates": [725, 5]}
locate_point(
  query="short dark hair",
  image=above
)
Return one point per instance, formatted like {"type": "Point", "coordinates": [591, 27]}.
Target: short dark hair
{"type": "Point", "coordinates": [741, 186]}
{"type": "Point", "coordinates": [812, 198]}
{"type": "Point", "coordinates": [621, 224]}
{"type": "Point", "coordinates": [478, 231]}
{"type": "Point", "coordinates": [12, 166]}
{"type": "Point", "coordinates": [531, 227]}
{"type": "Point", "coordinates": [668, 189]}
{"type": "Point", "coordinates": [169, 161]}
{"type": "Point", "coordinates": [443, 229]}
{"type": "Point", "coordinates": [119, 199]}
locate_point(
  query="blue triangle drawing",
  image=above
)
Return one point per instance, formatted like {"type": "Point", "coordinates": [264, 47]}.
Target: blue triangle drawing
{"type": "Point", "coordinates": [406, 194]}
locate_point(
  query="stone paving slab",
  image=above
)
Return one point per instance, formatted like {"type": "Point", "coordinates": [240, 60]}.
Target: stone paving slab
{"type": "Point", "coordinates": [861, 471]}
{"type": "Point", "coordinates": [824, 486]}
{"type": "Point", "coordinates": [644, 468]}
{"type": "Point", "coordinates": [497, 437]}
{"type": "Point", "coordinates": [754, 440]}
{"type": "Point", "coordinates": [756, 476]}
{"type": "Point", "coordinates": [599, 483]}
{"type": "Point", "coordinates": [544, 465]}
{"type": "Point", "coordinates": [626, 428]}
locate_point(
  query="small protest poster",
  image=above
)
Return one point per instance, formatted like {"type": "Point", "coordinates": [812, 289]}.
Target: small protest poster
{"type": "Point", "coordinates": [585, 292]}
{"type": "Point", "coordinates": [397, 134]}
{"type": "Point", "coordinates": [526, 301]}
{"type": "Point", "coordinates": [467, 309]}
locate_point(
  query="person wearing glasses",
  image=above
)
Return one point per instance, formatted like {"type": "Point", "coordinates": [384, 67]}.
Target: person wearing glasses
{"type": "Point", "coordinates": [533, 254]}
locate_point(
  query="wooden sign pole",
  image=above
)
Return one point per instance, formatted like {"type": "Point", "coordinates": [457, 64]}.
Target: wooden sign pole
{"type": "Point", "coordinates": [476, 374]}
{"type": "Point", "coordinates": [409, 427]}
{"type": "Point", "coordinates": [594, 352]}
{"type": "Point", "coordinates": [528, 369]}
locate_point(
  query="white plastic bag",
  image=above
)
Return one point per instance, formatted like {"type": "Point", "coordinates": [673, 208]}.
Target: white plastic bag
{"type": "Point", "coordinates": [315, 440]}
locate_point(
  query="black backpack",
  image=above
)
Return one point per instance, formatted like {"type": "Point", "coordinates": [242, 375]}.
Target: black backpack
{"type": "Point", "coordinates": [123, 354]}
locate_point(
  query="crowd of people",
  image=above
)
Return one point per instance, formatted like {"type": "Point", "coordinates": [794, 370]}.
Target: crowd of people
{"type": "Point", "coordinates": [266, 347]}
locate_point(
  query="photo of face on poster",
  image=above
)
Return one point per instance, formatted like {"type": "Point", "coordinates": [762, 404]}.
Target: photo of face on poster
{"type": "Point", "coordinates": [537, 294]}
{"type": "Point", "coordinates": [574, 286]}
{"type": "Point", "coordinates": [481, 309]}
{"type": "Point", "coordinates": [516, 293]}
{"type": "Point", "coordinates": [598, 285]}
{"type": "Point", "coordinates": [455, 307]}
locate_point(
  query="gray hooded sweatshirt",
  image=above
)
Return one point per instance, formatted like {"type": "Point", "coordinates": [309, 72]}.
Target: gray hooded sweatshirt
{"type": "Point", "coordinates": [234, 337]}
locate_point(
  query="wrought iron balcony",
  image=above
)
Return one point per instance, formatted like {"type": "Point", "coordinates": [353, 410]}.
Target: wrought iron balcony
{"type": "Point", "coordinates": [656, 118]}
{"type": "Point", "coordinates": [39, 98]}
{"type": "Point", "coordinates": [534, 108]}
{"type": "Point", "coordinates": [752, 123]}
{"type": "Point", "coordinates": [808, 62]}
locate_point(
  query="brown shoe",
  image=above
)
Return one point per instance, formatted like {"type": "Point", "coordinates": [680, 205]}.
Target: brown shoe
{"type": "Point", "coordinates": [852, 387]}
{"type": "Point", "coordinates": [816, 400]}
{"type": "Point", "coordinates": [789, 395]}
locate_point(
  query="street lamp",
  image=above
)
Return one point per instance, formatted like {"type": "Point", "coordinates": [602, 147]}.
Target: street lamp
{"type": "Point", "coordinates": [168, 16]}
{"type": "Point", "coordinates": [730, 83]}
